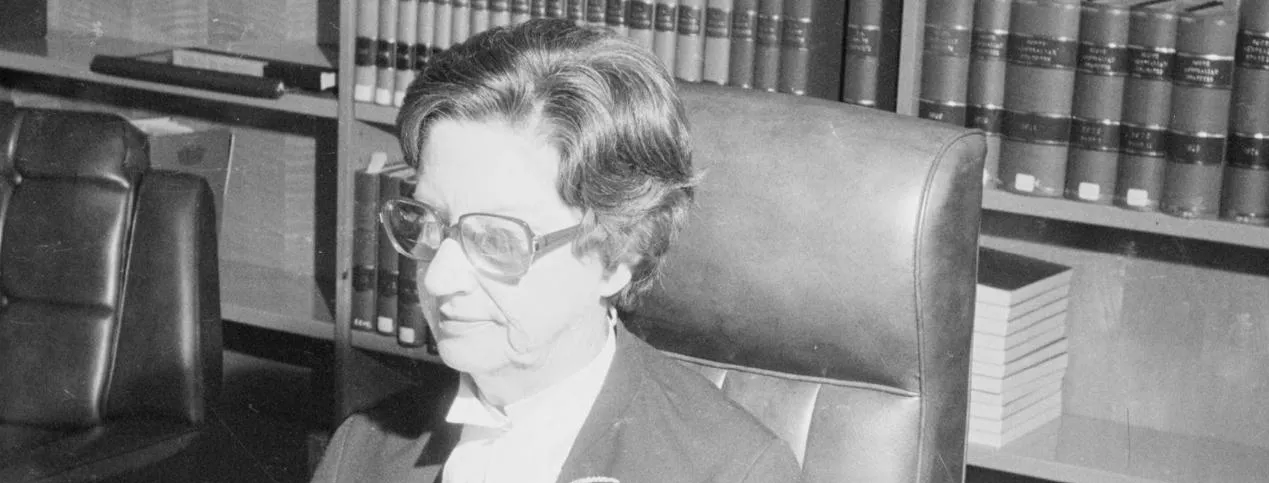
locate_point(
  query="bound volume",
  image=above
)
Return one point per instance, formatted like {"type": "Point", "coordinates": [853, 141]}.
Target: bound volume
{"type": "Point", "coordinates": [1147, 105]}
{"type": "Point", "coordinates": [986, 97]}
{"type": "Point", "coordinates": [870, 64]}
{"type": "Point", "coordinates": [945, 60]}
{"type": "Point", "coordinates": [1095, 110]}
{"type": "Point", "coordinates": [1245, 192]}
{"type": "Point", "coordinates": [1040, 80]}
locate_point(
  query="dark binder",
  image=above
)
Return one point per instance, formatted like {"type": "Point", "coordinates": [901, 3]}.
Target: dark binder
{"type": "Point", "coordinates": [240, 84]}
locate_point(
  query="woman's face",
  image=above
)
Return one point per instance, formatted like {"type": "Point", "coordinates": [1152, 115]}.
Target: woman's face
{"type": "Point", "coordinates": [490, 327]}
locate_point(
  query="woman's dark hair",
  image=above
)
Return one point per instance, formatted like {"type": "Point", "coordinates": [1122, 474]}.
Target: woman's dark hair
{"type": "Point", "coordinates": [607, 105]}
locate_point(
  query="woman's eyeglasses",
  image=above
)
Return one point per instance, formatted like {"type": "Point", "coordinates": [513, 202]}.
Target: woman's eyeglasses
{"type": "Point", "coordinates": [496, 245]}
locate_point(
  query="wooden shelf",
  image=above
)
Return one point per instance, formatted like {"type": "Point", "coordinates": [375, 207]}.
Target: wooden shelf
{"type": "Point", "coordinates": [388, 345]}
{"type": "Point", "coordinates": [274, 299]}
{"type": "Point", "coordinates": [1079, 449]}
{"type": "Point", "coordinates": [68, 56]}
{"type": "Point", "coordinates": [1221, 231]}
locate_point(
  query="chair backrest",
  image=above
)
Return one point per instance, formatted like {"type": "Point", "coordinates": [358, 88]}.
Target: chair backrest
{"type": "Point", "coordinates": [109, 297]}
{"type": "Point", "coordinates": [826, 279]}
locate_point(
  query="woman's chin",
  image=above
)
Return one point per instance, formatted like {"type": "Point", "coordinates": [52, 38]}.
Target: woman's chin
{"type": "Point", "coordinates": [474, 354]}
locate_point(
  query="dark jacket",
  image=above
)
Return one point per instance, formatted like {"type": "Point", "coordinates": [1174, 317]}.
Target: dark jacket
{"type": "Point", "coordinates": [654, 421]}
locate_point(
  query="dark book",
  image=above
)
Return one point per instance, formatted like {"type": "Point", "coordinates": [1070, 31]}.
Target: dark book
{"type": "Point", "coordinates": [985, 99]}
{"type": "Point", "coordinates": [425, 35]}
{"type": "Point", "coordinates": [557, 9]}
{"type": "Point", "coordinates": [665, 31]}
{"type": "Point", "coordinates": [945, 56]}
{"type": "Point", "coordinates": [412, 328]}
{"type": "Point", "coordinates": [1039, 83]}
{"type": "Point", "coordinates": [407, 34]}
{"type": "Point", "coordinates": [479, 16]}
{"type": "Point", "coordinates": [537, 8]}
{"type": "Point", "coordinates": [1006, 279]}
{"type": "Point", "coordinates": [689, 55]}
{"type": "Point", "coordinates": [615, 14]}
{"type": "Point", "coordinates": [870, 62]}
{"type": "Point", "coordinates": [811, 48]}
{"type": "Point", "coordinates": [366, 50]}
{"type": "Point", "coordinates": [365, 248]}
{"type": "Point", "coordinates": [1099, 92]}
{"type": "Point", "coordinates": [576, 11]}
{"type": "Point", "coordinates": [386, 52]}
{"type": "Point", "coordinates": [641, 22]}
{"type": "Point", "coordinates": [386, 290]}
{"type": "Point", "coordinates": [294, 75]}
{"type": "Point", "coordinates": [1147, 108]}
{"type": "Point", "coordinates": [460, 21]}
{"type": "Point", "coordinates": [137, 68]}
{"type": "Point", "coordinates": [1245, 188]}
{"type": "Point", "coordinates": [744, 24]}
{"type": "Point", "coordinates": [597, 12]}
{"type": "Point", "coordinates": [766, 61]}
{"type": "Point", "coordinates": [717, 41]}
{"type": "Point", "coordinates": [1202, 76]}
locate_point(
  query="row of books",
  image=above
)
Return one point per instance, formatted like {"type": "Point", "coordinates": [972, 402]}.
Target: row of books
{"type": "Point", "coordinates": [790, 46]}
{"type": "Point", "coordinates": [1151, 105]}
{"type": "Point", "coordinates": [385, 291]}
{"type": "Point", "coordinates": [1019, 352]}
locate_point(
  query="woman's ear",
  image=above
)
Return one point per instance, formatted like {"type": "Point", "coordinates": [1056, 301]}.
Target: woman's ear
{"type": "Point", "coordinates": [615, 279]}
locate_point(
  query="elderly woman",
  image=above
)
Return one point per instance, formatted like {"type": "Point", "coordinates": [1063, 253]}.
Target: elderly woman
{"type": "Point", "coordinates": [554, 169]}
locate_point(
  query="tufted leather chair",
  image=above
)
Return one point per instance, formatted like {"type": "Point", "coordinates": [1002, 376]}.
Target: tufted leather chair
{"type": "Point", "coordinates": [826, 279]}
{"type": "Point", "coordinates": [110, 329]}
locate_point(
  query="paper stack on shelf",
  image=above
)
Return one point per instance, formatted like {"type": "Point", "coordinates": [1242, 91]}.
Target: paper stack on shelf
{"type": "Point", "coordinates": [1019, 349]}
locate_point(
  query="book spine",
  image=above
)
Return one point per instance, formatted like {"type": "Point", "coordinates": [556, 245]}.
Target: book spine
{"type": "Point", "coordinates": [480, 16]}
{"type": "Point", "coordinates": [744, 23]}
{"type": "Point", "coordinates": [243, 85]}
{"type": "Point", "coordinates": [689, 58]}
{"type": "Point", "coordinates": [577, 11]}
{"type": "Point", "coordinates": [537, 8]}
{"type": "Point", "coordinates": [425, 42]}
{"type": "Point", "coordinates": [386, 289]}
{"type": "Point", "coordinates": [795, 49]}
{"type": "Point", "coordinates": [1147, 106]}
{"type": "Point", "coordinates": [366, 50]}
{"type": "Point", "coordinates": [520, 11]}
{"type": "Point", "coordinates": [444, 22]}
{"type": "Point", "coordinates": [365, 250]}
{"type": "Point", "coordinates": [1039, 82]}
{"type": "Point", "coordinates": [556, 9]}
{"type": "Point", "coordinates": [460, 21]}
{"type": "Point", "coordinates": [641, 26]}
{"type": "Point", "coordinates": [499, 13]}
{"type": "Point", "coordinates": [1202, 78]}
{"type": "Point", "coordinates": [870, 62]}
{"type": "Point", "coordinates": [945, 60]}
{"type": "Point", "coordinates": [1245, 191]}
{"type": "Point", "coordinates": [385, 55]}
{"type": "Point", "coordinates": [718, 16]}
{"type": "Point", "coordinates": [766, 71]}
{"type": "Point", "coordinates": [596, 13]}
{"type": "Point", "coordinates": [615, 17]}
{"type": "Point", "coordinates": [1099, 87]}
{"type": "Point", "coordinates": [985, 98]}
{"type": "Point", "coordinates": [407, 32]}
{"type": "Point", "coordinates": [665, 33]}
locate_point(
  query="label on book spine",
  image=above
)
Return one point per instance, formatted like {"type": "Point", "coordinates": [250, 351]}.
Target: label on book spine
{"type": "Point", "coordinates": [555, 9]}
{"type": "Point", "coordinates": [689, 20]}
{"type": "Point", "coordinates": [1195, 148]}
{"type": "Point", "coordinates": [1095, 134]}
{"type": "Point", "coordinates": [796, 31]}
{"type": "Point", "coordinates": [1043, 52]}
{"type": "Point", "coordinates": [364, 51]}
{"type": "Point", "coordinates": [385, 54]}
{"type": "Point", "coordinates": [1253, 50]}
{"type": "Point", "coordinates": [863, 39]}
{"type": "Point", "coordinates": [987, 118]}
{"type": "Point", "coordinates": [1102, 59]}
{"type": "Point", "coordinates": [595, 12]}
{"type": "Point", "coordinates": [1036, 127]}
{"type": "Point", "coordinates": [768, 29]}
{"type": "Point", "coordinates": [363, 278]}
{"type": "Point", "coordinates": [405, 56]}
{"type": "Point", "coordinates": [951, 112]}
{"type": "Point", "coordinates": [1215, 72]}
{"type": "Point", "coordinates": [499, 6]}
{"type": "Point", "coordinates": [1143, 140]}
{"type": "Point", "coordinates": [640, 15]}
{"type": "Point", "coordinates": [717, 23]}
{"type": "Point", "coordinates": [616, 13]}
{"type": "Point", "coordinates": [577, 10]}
{"type": "Point", "coordinates": [948, 41]}
{"type": "Point", "coordinates": [665, 21]}
{"type": "Point", "coordinates": [989, 44]}
{"type": "Point", "coordinates": [743, 23]}
{"type": "Point", "coordinates": [1250, 151]}
{"type": "Point", "coordinates": [1150, 63]}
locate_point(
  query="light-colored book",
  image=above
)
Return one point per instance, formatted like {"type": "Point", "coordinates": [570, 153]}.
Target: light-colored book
{"type": "Point", "coordinates": [1043, 328]}
{"type": "Point", "coordinates": [999, 412]}
{"type": "Point", "coordinates": [1020, 347]}
{"type": "Point", "coordinates": [996, 439]}
{"type": "Point", "coordinates": [985, 310]}
{"type": "Point", "coordinates": [1004, 328]}
{"type": "Point", "coordinates": [1010, 385]}
{"type": "Point", "coordinates": [1009, 368]}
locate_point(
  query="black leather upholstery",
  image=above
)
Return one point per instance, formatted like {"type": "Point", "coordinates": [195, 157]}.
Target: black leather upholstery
{"type": "Point", "coordinates": [826, 279]}
{"type": "Point", "coordinates": [110, 335]}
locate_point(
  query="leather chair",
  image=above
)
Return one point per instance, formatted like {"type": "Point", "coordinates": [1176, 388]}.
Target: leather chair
{"type": "Point", "coordinates": [110, 329]}
{"type": "Point", "coordinates": [826, 279]}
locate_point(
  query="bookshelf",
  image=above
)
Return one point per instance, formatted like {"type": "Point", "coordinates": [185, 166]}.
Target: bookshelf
{"type": "Point", "coordinates": [1169, 331]}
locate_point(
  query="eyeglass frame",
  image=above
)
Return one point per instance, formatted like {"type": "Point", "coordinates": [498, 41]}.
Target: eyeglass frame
{"type": "Point", "coordinates": [538, 244]}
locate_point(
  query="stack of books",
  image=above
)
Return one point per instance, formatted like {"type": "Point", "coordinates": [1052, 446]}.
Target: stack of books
{"type": "Point", "coordinates": [1019, 351]}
